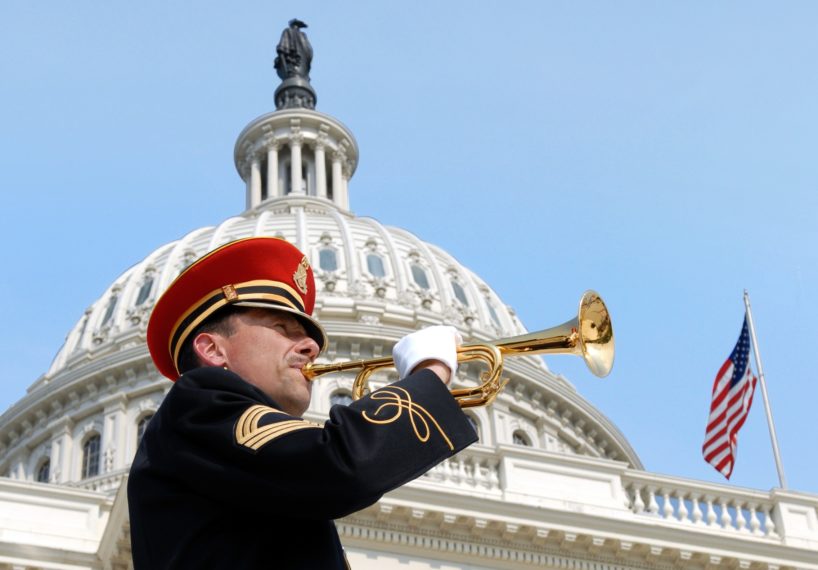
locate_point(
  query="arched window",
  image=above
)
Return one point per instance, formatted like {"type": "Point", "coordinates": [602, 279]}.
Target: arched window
{"type": "Point", "coordinates": [519, 437]}
{"type": "Point", "coordinates": [82, 330]}
{"type": "Point", "coordinates": [374, 263]}
{"type": "Point", "coordinates": [109, 310]}
{"type": "Point", "coordinates": [419, 275]}
{"type": "Point", "coordinates": [459, 293]}
{"type": "Point", "coordinates": [144, 291]}
{"type": "Point", "coordinates": [328, 259]}
{"type": "Point", "coordinates": [44, 471]}
{"type": "Point", "coordinates": [90, 457]}
{"type": "Point", "coordinates": [340, 398]}
{"type": "Point", "coordinates": [141, 427]}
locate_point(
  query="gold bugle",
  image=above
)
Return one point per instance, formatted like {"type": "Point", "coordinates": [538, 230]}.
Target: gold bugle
{"type": "Point", "coordinates": [589, 335]}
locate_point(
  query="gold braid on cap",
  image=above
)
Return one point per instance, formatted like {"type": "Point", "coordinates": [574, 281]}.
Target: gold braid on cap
{"type": "Point", "coordinates": [264, 291]}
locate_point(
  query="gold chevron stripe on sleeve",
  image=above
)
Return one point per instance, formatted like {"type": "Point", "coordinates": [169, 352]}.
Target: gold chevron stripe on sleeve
{"type": "Point", "coordinates": [251, 435]}
{"type": "Point", "coordinates": [274, 435]}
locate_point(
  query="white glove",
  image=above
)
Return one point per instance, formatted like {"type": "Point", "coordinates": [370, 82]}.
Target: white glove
{"type": "Point", "coordinates": [432, 343]}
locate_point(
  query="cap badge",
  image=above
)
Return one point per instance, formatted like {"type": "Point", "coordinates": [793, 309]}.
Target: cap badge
{"type": "Point", "coordinates": [230, 293]}
{"type": "Point", "coordinates": [300, 275]}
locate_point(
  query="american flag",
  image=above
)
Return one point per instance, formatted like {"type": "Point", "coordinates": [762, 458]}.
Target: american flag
{"type": "Point", "coordinates": [732, 397]}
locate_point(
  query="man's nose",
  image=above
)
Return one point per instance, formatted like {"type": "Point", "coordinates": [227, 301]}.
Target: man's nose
{"type": "Point", "coordinates": [308, 347]}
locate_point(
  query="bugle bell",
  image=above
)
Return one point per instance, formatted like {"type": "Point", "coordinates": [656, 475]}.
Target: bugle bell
{"type": "Point", "coordinates": [589, 335]}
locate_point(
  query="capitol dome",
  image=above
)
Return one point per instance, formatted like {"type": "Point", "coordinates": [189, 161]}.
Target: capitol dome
{"type": "Point", "coordinates": [79, 423]}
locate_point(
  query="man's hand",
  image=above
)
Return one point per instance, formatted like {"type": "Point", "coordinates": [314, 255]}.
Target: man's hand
{"type": "Point", "coordinates": [434, 348]}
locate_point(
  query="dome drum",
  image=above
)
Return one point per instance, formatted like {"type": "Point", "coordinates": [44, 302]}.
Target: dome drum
{"type": "Point", "coordinates": [296, 152]}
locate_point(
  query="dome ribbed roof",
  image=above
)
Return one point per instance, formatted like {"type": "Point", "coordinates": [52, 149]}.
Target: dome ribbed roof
{"type": "Point", "coordinates": [380, 275]}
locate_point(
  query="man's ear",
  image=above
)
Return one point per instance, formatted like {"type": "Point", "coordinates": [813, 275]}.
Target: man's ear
{"type": "Point", "coordinates": [209, 348]}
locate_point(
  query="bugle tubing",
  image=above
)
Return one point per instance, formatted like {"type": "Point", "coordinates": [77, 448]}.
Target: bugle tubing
{"type": "Point", "coordinates": [589, 335]}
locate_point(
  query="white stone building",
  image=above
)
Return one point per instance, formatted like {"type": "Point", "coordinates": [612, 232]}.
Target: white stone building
{"type": "Point", "coordinates": [552, 482]}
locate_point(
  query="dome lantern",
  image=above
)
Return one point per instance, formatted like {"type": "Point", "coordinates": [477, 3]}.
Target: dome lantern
{"type": "Point", "coordinates": [296, 150]}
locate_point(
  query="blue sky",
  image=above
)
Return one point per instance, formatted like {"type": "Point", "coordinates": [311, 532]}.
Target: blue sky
{"type": "Point", "coordinates": [660, 153]}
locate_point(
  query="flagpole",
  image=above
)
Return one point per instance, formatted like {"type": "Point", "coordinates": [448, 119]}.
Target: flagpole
{"type": "Point", "coordinates": [781, 480]}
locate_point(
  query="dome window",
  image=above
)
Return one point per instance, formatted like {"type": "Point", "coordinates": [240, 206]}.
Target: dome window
{"type": "Point", "coordinates": [141, 427]}
{"type": "Point", "coordinates": [519, 437]}
{"type": "Point", "coordinates": [374, 263]}
{"type": "Point", "coordinates": [144, 291]}
{"type": "Point", "coordinates": [328, 259]}
{"type": "Point", "coordinates": [90, 457]}
{"type": "Point", "coordinates": [340, 398]}
{"type": "Point", "coordinates": [460, 293]}
{"type": "Point", "coordinates": [419, 275]}
{"type": "Point", "coordinates": [109, 310]}
{"type": "Point", "coordinates": [44, 471]}
{"type": "Point", "coordinates": [82, 330]}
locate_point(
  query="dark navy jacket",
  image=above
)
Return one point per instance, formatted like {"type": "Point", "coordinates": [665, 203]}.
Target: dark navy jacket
{"type": "Point", "coordinates": [224, 480]}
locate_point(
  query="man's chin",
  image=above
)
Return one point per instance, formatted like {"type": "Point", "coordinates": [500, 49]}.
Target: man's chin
{"type": "Point", "coordinates": [299, 408]}
{"type": "Point", "coordinates": [301, 400]}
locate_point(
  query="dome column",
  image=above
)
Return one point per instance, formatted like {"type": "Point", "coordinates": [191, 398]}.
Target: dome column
{"type": "Point", "coordinates": [339, 189]}
{"type": "Point", "coordinates": [346, 174]}
{"type": "Point", "coordinates": [320, 170]}
{"type": "Point", "coordinates": [255, 181]}
{"type": "Point", "coordinates": [115, 415]}
{"type": "Point", "coordinates": [61, 451]}
{"type": "Point", "coordinates": [273, 191]}
{"type": "Point", "coordinates": [296, 183]}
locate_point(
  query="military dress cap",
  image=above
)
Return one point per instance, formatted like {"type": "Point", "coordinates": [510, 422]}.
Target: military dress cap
{"type": "Point", "coordinates": [263, 272]}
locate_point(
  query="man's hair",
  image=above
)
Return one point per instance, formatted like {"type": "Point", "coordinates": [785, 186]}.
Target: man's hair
{"type": "Point", "coordinates": [220, 323]}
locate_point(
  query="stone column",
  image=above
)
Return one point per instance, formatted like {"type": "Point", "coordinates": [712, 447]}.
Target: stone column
{"type": "Point", "coordinates": [62, 451]}
{"type": "Point", "coordinates": [273, 191]}
{"type": "Point", "coordinates": [248, 198]}
{"type": "Point", "coordinates": [343, 200]}
{"type": "Point", "coordinates": [19, 471]}
{"type": "Point", "coordinates": [296, 183]}
{"type": "Point", "coordinates": [115, 426]}
{"type": "Point", "coordinates": [255, 182]}
{"type": "Point", "coordinates": [320, 170]}
{"type": "Point", "coordinates": [341, 191]}
{"type": "Point", "coordinates": [337, 177]}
